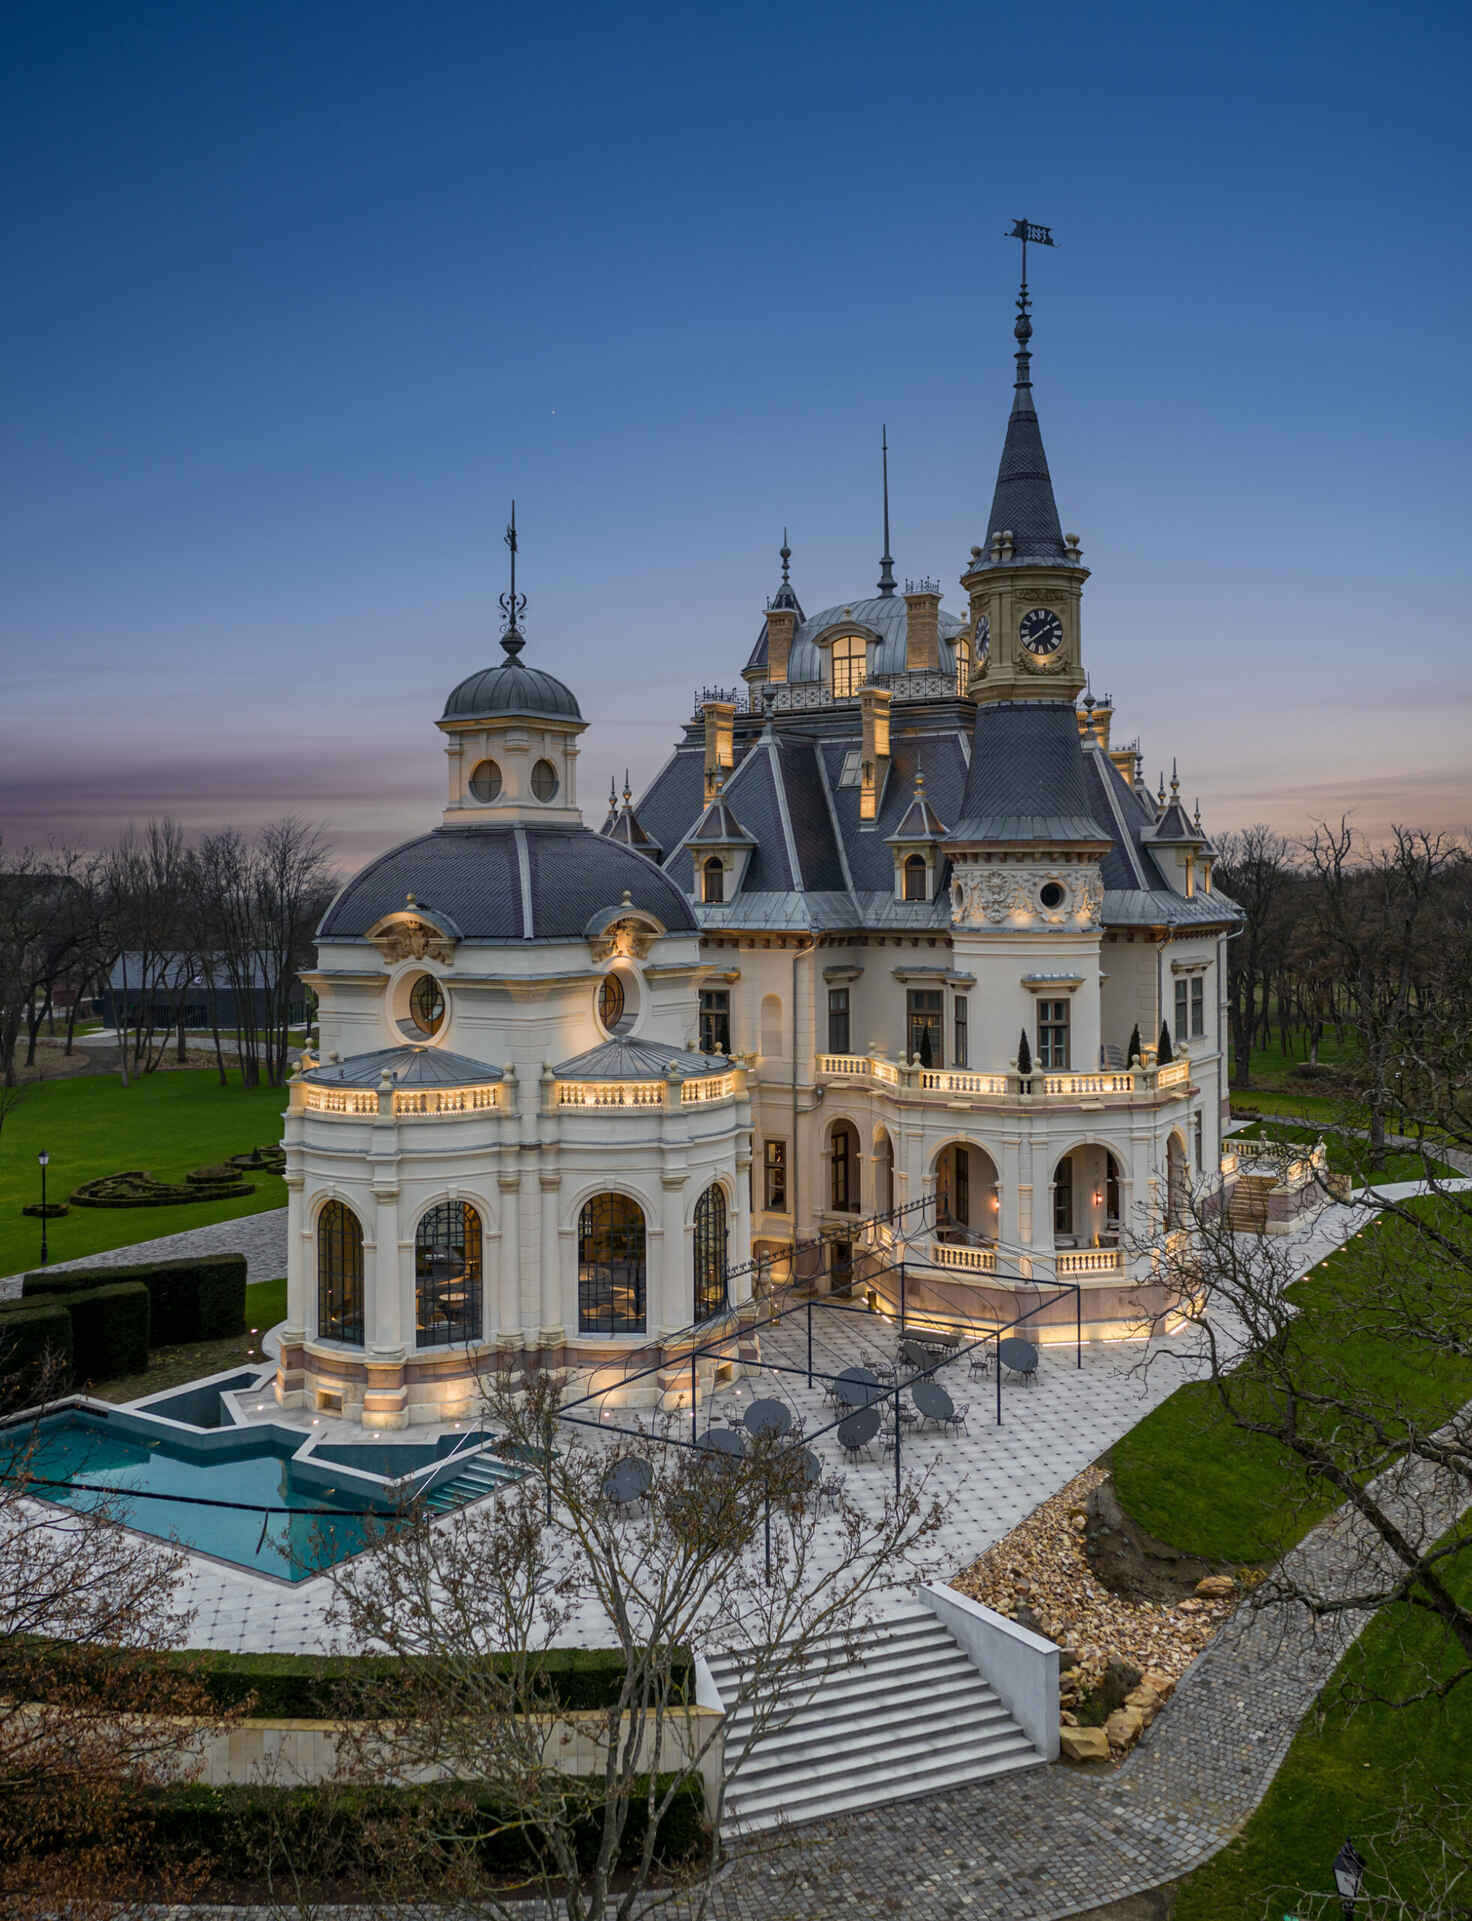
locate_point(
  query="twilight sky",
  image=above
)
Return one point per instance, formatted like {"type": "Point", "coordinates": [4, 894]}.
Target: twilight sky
{"type": "Point", "coordinates": [299, 296]}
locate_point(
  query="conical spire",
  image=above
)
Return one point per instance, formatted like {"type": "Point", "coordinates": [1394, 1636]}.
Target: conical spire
{"type": "Point", "coordinates": [1022, 501]}
{"type": "Point", "coordinates": [886, 559]}
{"type": "Point", "coordinates": [786, 595]}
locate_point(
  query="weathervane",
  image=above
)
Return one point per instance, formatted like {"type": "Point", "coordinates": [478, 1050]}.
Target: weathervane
{"type": "Point", "coordinates": [513, 605]}
{"type": "Point", "coordinates": [1025, 230]}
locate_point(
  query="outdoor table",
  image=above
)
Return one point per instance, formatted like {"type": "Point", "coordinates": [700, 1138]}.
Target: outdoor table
{"type": "Point", "coordinates": [812, 1467]}
{"type": "Point", "coordinates": [856, 1387]}
{"type": "Point", "coordinates": [1018, 1355]}
{"type": "Point", "coordinates": [933, 1401]}
{"type": "Point", "coordinates": [627, 1481]}
{"type": "Point", "coordinates": [723, 1440]}
{"type": "Point", "coordinates": [858, 1429]}
{"type": "Point", "coordinates": [767, 1417]}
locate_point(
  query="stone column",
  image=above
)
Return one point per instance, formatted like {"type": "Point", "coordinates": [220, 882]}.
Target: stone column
{"type": "Point", "coordinates": [738, 1247]}
{"type": "Point", "coordinates": [673, 1285]}
{"type": "Point", "coordinates": [508, 1309]}
{"type": "Point", "coordinates": [552, 1332]}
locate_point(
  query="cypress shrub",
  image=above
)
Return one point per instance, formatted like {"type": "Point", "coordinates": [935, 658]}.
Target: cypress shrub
{"type": "Point", "coordinates": [1024, 1055]}
{"type": "Point", "coordinates": [1163, 1055]}
{"type": "Point", "coordinates": [1134, 1052]}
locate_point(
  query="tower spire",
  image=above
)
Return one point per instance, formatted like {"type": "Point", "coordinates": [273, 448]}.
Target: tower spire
{"type": "Point", "coordinates": [886, 559]}
{"type": "Point", "coordinates": [513, 605]}
{"type": "Point", "coordinates": [786, 552]}
{"type": "Point", "coordinates": [1022, 502]}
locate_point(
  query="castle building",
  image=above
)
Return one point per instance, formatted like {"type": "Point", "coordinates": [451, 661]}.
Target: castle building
{"type": "Point", "coordinates": [898, 919]}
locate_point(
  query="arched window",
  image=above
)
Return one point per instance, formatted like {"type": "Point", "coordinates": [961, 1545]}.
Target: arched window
{"type": "Point", "coordinates": [611, 1266]}
{"type": "Point", "coordinates": [447, 1276]}
{"type": "Point", "coordinates": [850, 654]}
{"type": "Point", "coordinates": [844, 1169]}
{"type": "Point", "coordinates": [710, 1253]}
{"type": "Point", "coordinates": [339, 1275]}
{"type": "Point", "coordinates": [1177, 1187]}
{"type": "Point", "coordinates": [713, 882]}
{"type": "Point", "coordinates": [916, 879]}
{"type": "Point", "coordinates": [771, 1024]}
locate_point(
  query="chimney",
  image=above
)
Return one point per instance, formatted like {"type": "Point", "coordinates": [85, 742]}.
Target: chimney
{"type": "Point", "coordinates": [922, 628]}
{"type": "Point", "coordinates": [781, 625]}
{"type": "Point", "coordinates": [720, 753]}
{"type": "Point", "coordinates": [874, 760]}
{"type": "Point", "coordinates": [1126, 759]}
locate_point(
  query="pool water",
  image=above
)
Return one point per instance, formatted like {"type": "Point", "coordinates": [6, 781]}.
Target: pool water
{"type": "Point", "coordinates": [253, 1466]}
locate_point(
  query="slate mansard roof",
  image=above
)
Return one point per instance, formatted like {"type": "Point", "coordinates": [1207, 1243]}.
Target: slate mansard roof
{"type": "Point", "coordinates": [507, 884]}
{"type": "Point", "coordinates": [884, 616]}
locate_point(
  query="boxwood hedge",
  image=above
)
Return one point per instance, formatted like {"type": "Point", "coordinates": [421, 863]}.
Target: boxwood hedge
{"type": "Point", "coordinates": [200, 1298]}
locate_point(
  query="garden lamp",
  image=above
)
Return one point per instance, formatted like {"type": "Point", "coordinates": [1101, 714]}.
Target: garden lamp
{"type": "Point", "coordinates": [1349, 1872]}
{"type": "Point", "coordinates": [43, 1161]}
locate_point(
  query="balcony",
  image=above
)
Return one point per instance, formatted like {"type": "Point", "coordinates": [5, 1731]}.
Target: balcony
{"type": "Point", "coordinates": [958, 1083]}
{"type": "Point", "coordinates": [400, 1103]}
{"type": "Point", "coordinates": [694, 1092]}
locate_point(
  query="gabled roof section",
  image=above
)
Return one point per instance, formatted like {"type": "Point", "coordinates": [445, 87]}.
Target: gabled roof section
{"type": "Point", "coordinates": [719, 827]}
{"type": "Point", "coordinates": [1027, 779]}
{"type": "Point", "coordinates": [623, 826]}
{"type": "Point", "coordinates": [919, 822]}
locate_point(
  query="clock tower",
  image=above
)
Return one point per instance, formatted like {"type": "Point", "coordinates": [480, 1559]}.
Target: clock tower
{"type": "Point", "coordinates": [1026, 584]}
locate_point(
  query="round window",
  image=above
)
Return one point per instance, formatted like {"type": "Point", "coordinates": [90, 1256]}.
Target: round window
{"type": "Point", "coordinates": [427, 1004]}
{"type": "Point", "coordinates": [544, 780]}
{"type": "Point", "coordinates": [611, 1001]}
{"type": "Point", "coordinates": [485, 782]}
{"type": "Point", "coordinates": [1052, 895]}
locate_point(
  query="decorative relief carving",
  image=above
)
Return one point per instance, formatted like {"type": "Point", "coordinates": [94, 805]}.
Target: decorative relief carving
{"type": "Point", "coordinates": [623, 940]}
{"type": "Point", "coordinates": [993, 896]}
{"type": "Point", "coordinates": [415, 940]}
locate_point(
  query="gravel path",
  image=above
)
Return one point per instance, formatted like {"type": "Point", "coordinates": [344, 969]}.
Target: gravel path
{"type": "Point", "coordinates": [261, 1238]}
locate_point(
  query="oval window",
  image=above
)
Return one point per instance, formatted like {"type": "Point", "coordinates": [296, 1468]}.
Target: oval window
{"type": "Point", "coordinates": [485, 782]}
{"type": "Point", "coordinates": [544, 780]}
{"type": "Point", "coordinates": [611, 1001]}
{"type": "Point", "coordinates": [1052, 894]}
{"type": "Point", "coordinates": [427, 1004]}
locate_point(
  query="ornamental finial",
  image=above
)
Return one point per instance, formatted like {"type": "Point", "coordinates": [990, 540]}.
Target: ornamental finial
{"type": "Point", "coordinates": [1025, 230]}
{"type": "Point", "coordinates": [1175, 780]}
{"type": "Point", "coordinates": [886, 559]}
{"type": "Point", "coordinates": [786, 552]}
{"type": "Point", "coordinates": [513, 605]}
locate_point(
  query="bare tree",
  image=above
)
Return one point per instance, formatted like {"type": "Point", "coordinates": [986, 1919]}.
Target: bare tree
{"type": "Point", "coordinates": [1254, 868]}
{"type": "Point", "coordinates": [39, 929]}
{"type": "Point", "coordinates": [551, 1553]}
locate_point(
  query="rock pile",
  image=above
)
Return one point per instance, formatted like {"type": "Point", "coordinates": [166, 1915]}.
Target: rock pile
{"type": "Point", "coordinates": [1122, 1657]}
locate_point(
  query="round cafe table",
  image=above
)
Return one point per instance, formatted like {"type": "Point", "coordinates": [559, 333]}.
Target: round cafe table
{"type": "Point", "coordinates": [767, 1417]}
{"type": "Point", "coordinates": [932, 1400]}
{"type": "Point", "coordinates": [857, 1387]}
{"type": "Point", "coordinates": [1019, 1357]}
{"type": "Point", "coordinates": [723, 1440]}
{"type": "Point", "coordinates": [858, 1430]}
{"type": "Point", "coordinates": [627, 1481]}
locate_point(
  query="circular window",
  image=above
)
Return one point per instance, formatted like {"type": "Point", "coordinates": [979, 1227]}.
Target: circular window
{"type": "Point", "coordinates": [544, 780]}
{"type": "Point", "coordinates": [427, 1004]}
{"type": "Point", "coordinates": [611, 1001]}
{"type": "Point", "coordinates": [1052, 895]}
{"type": "Point", "coordinates": [485, 782]}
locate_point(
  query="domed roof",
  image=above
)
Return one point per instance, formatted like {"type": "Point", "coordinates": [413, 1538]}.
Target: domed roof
{"type": "Point", "coordinates": [508, 884]}
{"type": "Point", "coordinates": [511, 690]}
{"type": "Point", "coordinates": [883, 614]}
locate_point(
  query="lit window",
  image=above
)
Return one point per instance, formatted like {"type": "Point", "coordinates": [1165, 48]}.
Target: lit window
{"type": "Point", "coordinates": [850, 657]}
{"type": "Point", "coordinates": [544, 780]}
{"type": "Point", "coordinates": [447, 1283]}
{"type": "Point", "coordinates": [1053, 1034]}
{"type": "Point", "coordinates": [917, 885]}
{"type": "Point", "coordinates": [775, 1162]}
{"type": "Point", "coordinates": [427, 1004]}
{"type": "Point", "coordinates": [339, 1275]}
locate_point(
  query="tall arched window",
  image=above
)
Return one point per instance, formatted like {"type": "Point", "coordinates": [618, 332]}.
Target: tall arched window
{"type": "Point", "coordinates": [883, 1172]}
{"type": "Point", "coordinates": [916, 880]}
{"type": "Point", "coordinates": [611, 1266]}
{"type": "Point", "coordinates": [713, 882]}
{"type": "Point", "coordinates": [447, 1276]}
{"type": "Point", "coordinates": [710, 1253]}
{"type": "Point", "coordinates": [844, 1169]}
{"type": "Point", "coordinates": [850, 653]}
{"type": "Point", "coordinates": [339, 1275]}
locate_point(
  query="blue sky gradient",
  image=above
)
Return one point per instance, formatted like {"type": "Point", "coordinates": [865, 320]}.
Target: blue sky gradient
{"type": "Point", "coordinates": [299, 297]}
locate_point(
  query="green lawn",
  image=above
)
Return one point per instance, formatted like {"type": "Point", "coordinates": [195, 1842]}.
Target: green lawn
{"type": "Point", "coordinates": [1192, 1479]}
{"type": "Point", "coordinates": [166, 1123]}
{"type": "Point", "coordinates": [1347, 1153]}
{"type": "Point", "coordinates": [1346, 1774]}
{"type": "Point", "coordinates": [265, 1306]}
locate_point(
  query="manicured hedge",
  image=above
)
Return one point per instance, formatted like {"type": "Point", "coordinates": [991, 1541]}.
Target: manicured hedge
{"type": "Point", "coordinates": [308, 1687]}
{"type": "Point", "coordinates": [136, 1187]}
{"type": "Point", "coordinates": [35, 1350]}
{"type": "Point", "coordinates": [191, 1299]}
{"type": "Point", "coordinates": [109, 1331]}
{"type": "Point", "coordinates": [243, 1828]}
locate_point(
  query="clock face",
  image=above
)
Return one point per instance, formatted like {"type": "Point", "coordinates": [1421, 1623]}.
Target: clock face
{"type": "Point", "coordinates": [1041, 632]}
{"type": "Point", "coordinates": [983, 637]}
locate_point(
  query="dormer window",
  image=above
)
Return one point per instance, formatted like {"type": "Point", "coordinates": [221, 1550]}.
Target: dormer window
{"type": "Point", "coordinates": [713, 882]}
{"type": "Point", "coordinates": [917, 879]}
{"type": "Point", "coordinates": [850, 665]}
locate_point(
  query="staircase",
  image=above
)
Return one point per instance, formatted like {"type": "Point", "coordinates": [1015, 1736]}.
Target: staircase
{"type": "Point", "coordinates": [1247, 1210]}
{"type": "Point", "coordinates": [481, 1475]}
{"type": "Point", "coordinates": [910, 1715]}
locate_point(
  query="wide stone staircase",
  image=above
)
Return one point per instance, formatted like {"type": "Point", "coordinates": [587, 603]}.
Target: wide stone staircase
{"type": "Point", "coordinates": [1247, 1209]}
{"type": "Point", "coordinates": [908, 1716]}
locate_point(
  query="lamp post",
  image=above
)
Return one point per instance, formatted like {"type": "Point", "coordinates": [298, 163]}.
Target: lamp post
{"type": "Point", "coordinates": [43, 1161]}
{"type": "Point", "coordinates": [1349, 1872]}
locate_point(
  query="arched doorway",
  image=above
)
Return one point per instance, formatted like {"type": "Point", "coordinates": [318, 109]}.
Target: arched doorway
{"type": "Point", "coordinates": [967, 1198]}
{"type": "Point", "coordinates": [611, 1266]}
{"type": "Point", "coordinates": [843, 1168]}
{"type": "Point", "coordinates": [1088, 1197]}
{"type": "Point", "coordinates": [1177, 1185]}
{"type": "Point", "coordinates": [447, 1276]}
{"type": "Point", "coordinates": [339, 1275]}
{"type": "Point", "coordinates": [710, 1253]}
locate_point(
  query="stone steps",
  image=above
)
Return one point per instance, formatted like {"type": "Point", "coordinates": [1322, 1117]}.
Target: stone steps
{"type": "Point", "coordinates": [907, 1716]}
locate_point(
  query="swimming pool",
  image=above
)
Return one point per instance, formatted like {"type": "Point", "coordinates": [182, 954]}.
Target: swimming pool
{"type": "Point", "coordinates": [131, 1459]}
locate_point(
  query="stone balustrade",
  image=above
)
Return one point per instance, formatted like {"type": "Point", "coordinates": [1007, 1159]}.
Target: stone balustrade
{"type": "Point", "coordinates": [1145, 1082]}
{"type": "Point", "coordinates": [401, 1103]}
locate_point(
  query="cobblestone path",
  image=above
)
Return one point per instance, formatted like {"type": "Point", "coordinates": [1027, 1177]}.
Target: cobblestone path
{"type": "Point", "coordinates": [261, 1238]}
